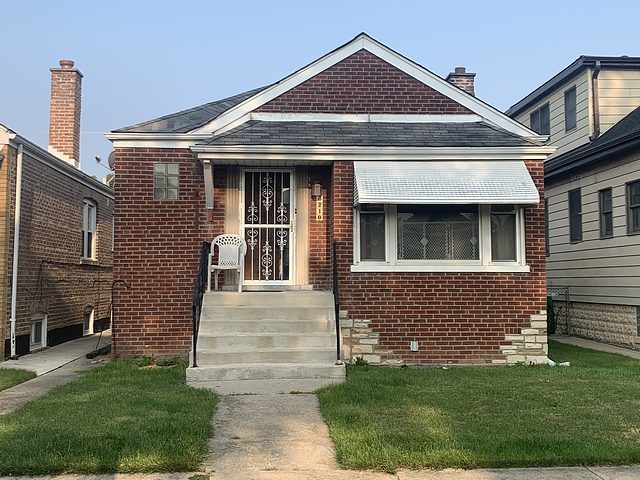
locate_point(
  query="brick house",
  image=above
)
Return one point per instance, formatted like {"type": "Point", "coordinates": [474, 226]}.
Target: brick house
{"type": "Point", "coordinates": [55, 230]}
{"type": "Point", "coordinates": [430, 195]}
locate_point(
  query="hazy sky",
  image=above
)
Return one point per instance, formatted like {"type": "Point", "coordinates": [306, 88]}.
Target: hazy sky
{"type": "Point", "coordinates": [143, 59]}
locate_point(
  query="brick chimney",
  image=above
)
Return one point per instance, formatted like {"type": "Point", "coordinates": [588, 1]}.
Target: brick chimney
{"type": "Point", "coordinates": [64, 122]}
{"type": "Point", "coordinates": [462, 79]}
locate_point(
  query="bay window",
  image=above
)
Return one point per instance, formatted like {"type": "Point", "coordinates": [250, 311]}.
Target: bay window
{"type": "Point", "coordinates": [439, 238]}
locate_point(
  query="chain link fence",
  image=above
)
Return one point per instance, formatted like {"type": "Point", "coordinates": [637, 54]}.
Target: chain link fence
{"type": "Point", "coordinates": [558, 310]}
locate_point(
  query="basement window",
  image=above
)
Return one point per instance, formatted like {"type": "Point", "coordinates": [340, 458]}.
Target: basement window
{"type": "Point", "coordinates": [165, 181]}
{"type": "Point", "coordinates": [38, 338]}
{"type": "Point", "coordinates": [87, 320]}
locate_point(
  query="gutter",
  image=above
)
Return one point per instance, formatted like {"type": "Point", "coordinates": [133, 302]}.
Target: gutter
{"type": "Point", "coordinates": [596, 101]}
{"type": "Point", "coordinates": [16, 245]}
{"type": "Point", "coordinates": [572, 161]}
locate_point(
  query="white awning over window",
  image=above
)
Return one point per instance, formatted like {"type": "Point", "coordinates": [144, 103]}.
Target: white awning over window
{"type": "Point", "coordinates": [444, 182]}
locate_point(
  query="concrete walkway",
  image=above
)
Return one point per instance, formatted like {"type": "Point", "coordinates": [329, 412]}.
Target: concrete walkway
{"type": "Point", "coordinates": [270, 433]}
{"type": "Point", "coordinates": [54, 357]}
{"type": "Point", "coordinates": [53, 366]}
{"type": "Point", "coordinates": [570, 473]}
{"type": "Point", "coordinates": [603, 347]}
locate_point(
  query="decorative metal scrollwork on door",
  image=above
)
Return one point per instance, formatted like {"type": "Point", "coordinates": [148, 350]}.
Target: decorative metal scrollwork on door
{"type": "Point", "coordinates": [267, 225]}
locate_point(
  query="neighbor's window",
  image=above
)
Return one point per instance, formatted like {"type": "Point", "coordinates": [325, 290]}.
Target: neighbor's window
{"type": "Point", "coordinates": [88, 229]}
{"type": "Point", "coordinates": [38, 338]}
{"type": "Point", "coordinates": [372, 232]}
{"type": "Point", "coordinates": [438, 232]}
{"type": "Point", "coordinates": [606, 213]}
{"type": "Point", "coordinates": [633, 207]}
{"type": "Point", "coordinates": [503, 233]}
{"type": "Point", "coordinates": [575, 215]}
{"type": "Point", "coordinates": [165, 181]}
{"type": "Point", "coordinates": [570, 120]}
{"type": "Point", "coordinates": [87, 320]}
{"type": "Point", "coordinates": [540, 120]}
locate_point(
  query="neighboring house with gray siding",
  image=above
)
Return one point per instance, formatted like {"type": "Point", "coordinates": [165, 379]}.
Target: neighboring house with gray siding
{"type": "Point", "coordinates": [592, 193]}
{"type": "Point", "coordinates": [582, 101]}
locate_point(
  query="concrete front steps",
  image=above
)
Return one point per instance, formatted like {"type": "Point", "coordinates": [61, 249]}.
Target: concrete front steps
{"type": "Point", "coordinates": [266, 342]}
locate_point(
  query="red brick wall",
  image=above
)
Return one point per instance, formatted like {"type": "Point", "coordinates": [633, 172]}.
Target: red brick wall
{"type": "Point", "coordinates": [64, 126]}
{"type": "Point", "coordinates": [52, 277]}
{"type": "Point", "coordinates": [319, 246]}
{"type": "Point", "coordinates": [363, 83]}
{"type": "Point", "coordinates": [157, 249]}
{"type": "Point", "coordinates": [456, 317]}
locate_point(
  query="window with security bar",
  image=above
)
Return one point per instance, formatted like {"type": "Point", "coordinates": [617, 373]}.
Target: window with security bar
{"type": "Point", "coordinates": [429, 232]}
{"type": "Point", "coordinates": [478, 237]}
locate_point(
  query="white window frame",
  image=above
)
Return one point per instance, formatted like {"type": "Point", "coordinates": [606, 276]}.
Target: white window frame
{"type": "Point", "coordinates": [483, 264]}
{"type": "Point", "coordinates": [43, 338]}
{"type": "Point", "coordinates": [89, 225]}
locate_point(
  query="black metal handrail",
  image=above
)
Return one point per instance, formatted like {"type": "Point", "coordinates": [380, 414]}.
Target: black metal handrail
{"type": "Point", "coordinates": [200, 284]}
{"type": "Point", "coordinates": [336, 299]}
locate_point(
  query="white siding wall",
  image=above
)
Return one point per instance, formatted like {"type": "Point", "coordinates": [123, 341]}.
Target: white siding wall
{"type": "Point", "coordinates": [566, 141]}
{"type": "Point", "coordinates": [598, 271]}
{"type": "Point", "coordinates": [619, 92]}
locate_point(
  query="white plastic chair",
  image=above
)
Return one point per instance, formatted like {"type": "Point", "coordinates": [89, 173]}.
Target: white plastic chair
{"type": "Point", "coordinates": [231, 251]}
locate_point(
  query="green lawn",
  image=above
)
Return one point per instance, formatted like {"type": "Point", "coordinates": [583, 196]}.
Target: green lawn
{"type": "Point", "coordinates": [116, 418]}
{"type": "Point", "coordinates": [586, 414]}
{"type": "Point", "coordinates": [10, 377]}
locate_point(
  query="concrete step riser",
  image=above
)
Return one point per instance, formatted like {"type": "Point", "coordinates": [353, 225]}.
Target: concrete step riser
{"type": "Point", "coordinates": [258, 299]}
{"type": "Point", "coordinates": [265, 326]}
{"type": "Point", "coordinates": [207, 357]}
{"type": "Point", "coordinates": [245, 342]}
{"type": "Point", "coordinates": [248, 372]}
{"type": "Point", "coordinates": [262, 387]}
{"type": "Point", "coordinates": [217, 313]}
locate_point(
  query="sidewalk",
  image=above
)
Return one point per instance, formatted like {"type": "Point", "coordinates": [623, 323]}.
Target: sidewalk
{"type": "Point", "coordinates": [631, 472]}
{"type": "Point", "coordinates": [54, 357]}
{"type": "Point", "coordinates": [53, 366]}
{"type": "Point", "coordinates": [593, 345]}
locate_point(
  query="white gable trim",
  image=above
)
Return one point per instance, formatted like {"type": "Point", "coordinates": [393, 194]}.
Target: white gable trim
{"type": "Point", "coordinates": [362, 118]}
{"type": "Point", "coordinates": [363, 41]}
{"type": "Point", "coordinates": [306, 154]}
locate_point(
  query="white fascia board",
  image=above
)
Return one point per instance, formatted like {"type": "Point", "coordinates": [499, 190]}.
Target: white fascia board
{"type": "Point", "coordinates": [486, 111]}
{"type": "Point", "coordinates": [154, 140]}
{"type": "Point", "coordinates": [309, 153]}
{"type": "Point", "coordinates": [362, 118]}
{"type": "Point", "coordinates": [6, 136]}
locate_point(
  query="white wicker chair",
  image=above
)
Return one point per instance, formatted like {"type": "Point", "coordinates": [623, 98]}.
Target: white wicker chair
{"type": "Point", "coordinates": [231, 252]}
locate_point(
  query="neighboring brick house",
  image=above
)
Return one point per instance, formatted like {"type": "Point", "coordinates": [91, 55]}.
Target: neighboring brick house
{"type": "Point", "coordinates": [592, 111]}
{"type": "Point", "coordinates": [432, 197]}
{"type": "Point", "coordinates": [58, 220]}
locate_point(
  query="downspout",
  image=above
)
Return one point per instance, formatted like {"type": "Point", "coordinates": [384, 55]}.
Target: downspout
{"type": "Point", "coordinates": [16, 244]}
{"type": "Point", "coordinates": [596, 101]}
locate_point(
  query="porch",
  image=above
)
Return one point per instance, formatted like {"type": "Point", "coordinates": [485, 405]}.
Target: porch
{"type": "Point", "coordinates": [267, 342]}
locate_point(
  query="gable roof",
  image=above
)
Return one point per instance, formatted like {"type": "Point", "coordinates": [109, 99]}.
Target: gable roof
{"type": "Point", "coordinates": [186, 120]}
{"type": "Point", "coordinates": [580, 64]}
{"type": "Point", "coordinates": [239, 112]}
{"type": "Point", "coordinates": [621, 138]}
{"type": "Point", "coordinates": [382, 134]}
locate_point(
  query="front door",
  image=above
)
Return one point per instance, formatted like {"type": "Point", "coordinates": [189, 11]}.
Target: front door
{"type": "Point", "coordinates": [267, 225]}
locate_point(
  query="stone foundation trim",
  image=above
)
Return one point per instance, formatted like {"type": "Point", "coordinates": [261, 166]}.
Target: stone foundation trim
{"type": "Point", "coordinates": [529, 346]}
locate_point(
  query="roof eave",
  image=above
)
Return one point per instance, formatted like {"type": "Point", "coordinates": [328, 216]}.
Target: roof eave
{"type": "Point", "coordinates": [581, 63]}
{"type": "Point", "coordinates": [583, 158]}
